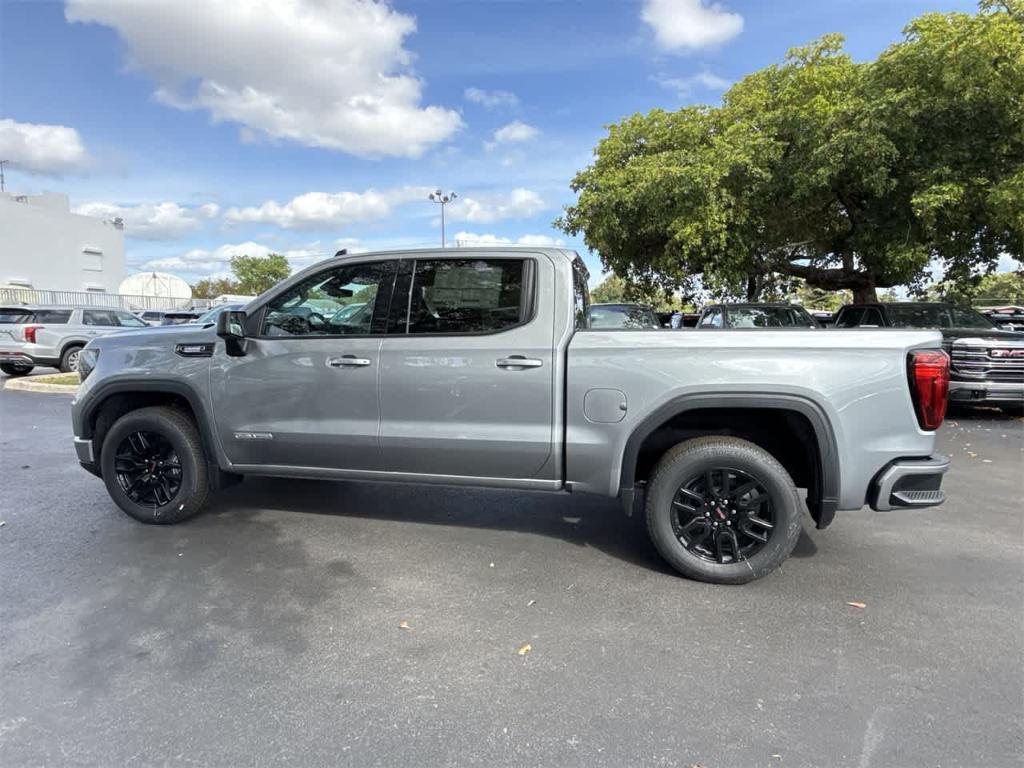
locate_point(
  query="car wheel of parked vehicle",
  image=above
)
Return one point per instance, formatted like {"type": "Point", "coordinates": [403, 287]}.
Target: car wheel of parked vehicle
{"type": "Point", "coordinates": [722, 510]}
{"type": "Point", "coordinates": [1012, 410]}
{"type": "Point", "coordinates": [154, 467]}
{"type": "Point", "coordinates": [69, 360]}
{"type": "Point", "coordinates": [15, 370]}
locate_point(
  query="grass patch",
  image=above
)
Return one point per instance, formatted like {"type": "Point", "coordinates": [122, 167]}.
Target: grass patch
{"type": "Point", "coordinates": [56, 378]}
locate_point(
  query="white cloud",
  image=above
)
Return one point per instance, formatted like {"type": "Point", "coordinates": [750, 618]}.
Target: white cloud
{"type": "Point", "coordinates": [491, 99]}
{"type": "Point", "coordinates": [515, 131]}
{"type": "Point", "coordinates": [466, 239]}
{"type": "Point", "coordinates": [325, 74]}
{"type": "Point", "coordinates": [152, 221]}
{"type": "Point", "coordinates": [690, 25]}
{"type": "Point", "coordinates": [47, 149]}
{"type": "Point", "coordinates": [518, 204]}
{"type": "Point", "coordinates": [314, 210]}
{"type": "Point", "coordinates": [685, 86]}
{"type": "Point", "coordinates": [217, 262]}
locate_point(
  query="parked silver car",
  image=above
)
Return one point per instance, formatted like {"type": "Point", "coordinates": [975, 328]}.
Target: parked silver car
{"type": "Point", "coordinates": [54, 335]}
{"type": "Point", "coordinates": [481, 367]}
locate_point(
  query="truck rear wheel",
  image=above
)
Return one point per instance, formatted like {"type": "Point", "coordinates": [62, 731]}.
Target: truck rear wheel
{"type": "Point", "coordinates": [154, 466]}
{"type": "Point", "coordinates": [722, 510]}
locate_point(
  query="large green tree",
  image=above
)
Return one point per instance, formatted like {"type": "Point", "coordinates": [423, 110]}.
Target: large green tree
{"type": "Point", "coordinates": [847, 175]}
{"type": "Point", "coordinates": [255, 274]}
{"type": "Point", "coordinates": [212, 287]}
{"type": "Point", "coordinates": [614, 290]}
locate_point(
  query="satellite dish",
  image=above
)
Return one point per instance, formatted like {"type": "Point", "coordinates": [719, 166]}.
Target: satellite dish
{"type": "Point", "coordinates": [171, 290]}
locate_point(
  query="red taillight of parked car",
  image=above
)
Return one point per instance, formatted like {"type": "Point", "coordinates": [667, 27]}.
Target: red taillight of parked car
{"type": "Point", "coordinates": [928, 370]}
{"type": "Point", "coordinates": [30, 333]}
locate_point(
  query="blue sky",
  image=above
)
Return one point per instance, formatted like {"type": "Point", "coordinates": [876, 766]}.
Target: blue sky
{"type": "Point", "coordinates": [301, 126]}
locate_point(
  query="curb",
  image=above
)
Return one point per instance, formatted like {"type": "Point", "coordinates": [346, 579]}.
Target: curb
{"type": "Point", "coordinates": [39, 386]}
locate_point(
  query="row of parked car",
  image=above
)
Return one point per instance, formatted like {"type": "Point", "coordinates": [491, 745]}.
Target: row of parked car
{"type": "Point", "coordinates": [53, 336]}
{"type": "Point", "coordinates": [986, 351]}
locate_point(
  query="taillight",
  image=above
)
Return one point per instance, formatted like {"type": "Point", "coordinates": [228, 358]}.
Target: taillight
{"type": "Point", "coordinates": [30, 333]}
{"type": "Point", "coordinates": [928, 371]}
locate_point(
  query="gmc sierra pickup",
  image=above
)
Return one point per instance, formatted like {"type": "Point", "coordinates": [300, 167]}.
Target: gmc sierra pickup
{"type": "Point", "coordinates": [477, 367]}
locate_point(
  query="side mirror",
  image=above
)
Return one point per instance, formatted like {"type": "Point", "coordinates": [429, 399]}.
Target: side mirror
{"type": "Point", "coordinates": [231, 328]}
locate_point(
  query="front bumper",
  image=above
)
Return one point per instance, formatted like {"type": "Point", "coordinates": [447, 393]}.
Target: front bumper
{"type": "Point", "coordinates": [1000, 392]}
{"type": "Point", "coordinates": [86, 457]}
{"type": "Point", "coordinates": [909, 484]}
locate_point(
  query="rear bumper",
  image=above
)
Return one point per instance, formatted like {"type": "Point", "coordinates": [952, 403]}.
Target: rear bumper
{"type": "Point", "coordinates": [909, 484]}
{"type": "Point", "coordinates": [16, 358]}
{"type": "Point", "coordinates": [1007, 392]}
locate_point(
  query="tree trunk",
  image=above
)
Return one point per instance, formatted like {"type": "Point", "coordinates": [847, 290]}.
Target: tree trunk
{"type": "Point", "coordinates": [865, 294]}
{"type": "Point", "coordinates": [753, 287]}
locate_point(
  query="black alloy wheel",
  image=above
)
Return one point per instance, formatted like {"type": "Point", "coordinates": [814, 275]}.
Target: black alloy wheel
{"type": "Point", "coordinates": [723, 515]}
{"type": "Point", "coordinates": [148, 469]}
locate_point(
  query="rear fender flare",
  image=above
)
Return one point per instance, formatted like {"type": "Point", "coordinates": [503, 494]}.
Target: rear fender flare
{"type": "Point", "coordinates": [822, 508]}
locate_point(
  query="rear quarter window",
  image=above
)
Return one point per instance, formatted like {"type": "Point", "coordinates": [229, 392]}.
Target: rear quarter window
{"type": "Point", "coordinates": [9, 316]}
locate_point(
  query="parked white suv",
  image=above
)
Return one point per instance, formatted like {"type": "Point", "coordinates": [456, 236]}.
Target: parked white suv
{"type": "Point", "coordinates": [54, 335]}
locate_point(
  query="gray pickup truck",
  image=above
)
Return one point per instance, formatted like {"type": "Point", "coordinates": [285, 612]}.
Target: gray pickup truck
{"type": "Point", "coordinates": [477, 367]}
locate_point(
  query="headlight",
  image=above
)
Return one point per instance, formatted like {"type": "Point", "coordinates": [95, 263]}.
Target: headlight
{"type": "Point", "coordinates": [87, 359]}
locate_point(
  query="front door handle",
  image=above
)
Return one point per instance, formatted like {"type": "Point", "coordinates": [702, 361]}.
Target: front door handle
{"type": "Point", "coordinates": [518, 361]}
{"type": "Point", "coordinates": [347, 361]}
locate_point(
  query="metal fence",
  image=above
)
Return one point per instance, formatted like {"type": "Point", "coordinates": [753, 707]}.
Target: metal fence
{"type": "Point", "coordinates": [132, 303]}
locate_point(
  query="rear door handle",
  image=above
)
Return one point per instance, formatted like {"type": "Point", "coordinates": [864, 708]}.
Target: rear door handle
{"type": "Point", "coordinates": [518, 361]}
{"type": "Point", "coordinates": [347, 361]}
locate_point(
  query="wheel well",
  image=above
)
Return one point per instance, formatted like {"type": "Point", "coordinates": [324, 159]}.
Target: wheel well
{"type": "Point", "coordinates": [786, 434]}
{"type": "Point", "coordinates": [71, 345]}
{"type": "Point", "coordinates": [117, 405]}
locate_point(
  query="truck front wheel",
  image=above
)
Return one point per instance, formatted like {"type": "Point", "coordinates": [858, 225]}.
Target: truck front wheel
{"type": "Point", "coordinates": [722, 510]}
{"type": "Point", "coordinates": [154, 466]}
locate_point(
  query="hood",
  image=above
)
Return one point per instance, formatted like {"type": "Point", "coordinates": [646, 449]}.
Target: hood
{"type": "Point", "coordinates": [162, 334]}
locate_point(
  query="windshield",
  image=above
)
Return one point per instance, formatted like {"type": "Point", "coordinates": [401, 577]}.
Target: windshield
{"type": "Point", "coordinates": [935, 316]}
{"type": "Point", "coordinates": [622, 316]}
{"type": "Point", "coordinates": [769, 317]}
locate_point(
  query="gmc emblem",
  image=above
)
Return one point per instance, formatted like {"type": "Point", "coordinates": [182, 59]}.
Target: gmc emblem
{"type": "Point", "coordinates": [1007, 353]}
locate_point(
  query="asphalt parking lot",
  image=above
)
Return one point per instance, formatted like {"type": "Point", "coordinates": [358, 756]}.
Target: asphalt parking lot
{"type": "Point", "coordinates": [268, 631]}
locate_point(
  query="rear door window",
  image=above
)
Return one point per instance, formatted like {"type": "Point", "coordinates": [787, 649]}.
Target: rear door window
{"type": "Point", "coordinates": [465, 296]}
{"type": "Point", "coordinates": [104, 317]}
{"type": "Point", "coordinates": [18, 316]}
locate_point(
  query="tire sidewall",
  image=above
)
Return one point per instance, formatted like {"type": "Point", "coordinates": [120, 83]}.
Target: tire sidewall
{"type": "Point", "coordinates": [65, 360]}
{"type": "Point", "coordinates": [769, 473]}
{"type": "Point", "coordinates": [16, 370]}
{"type": "Point", "coordinates": [183, 504]}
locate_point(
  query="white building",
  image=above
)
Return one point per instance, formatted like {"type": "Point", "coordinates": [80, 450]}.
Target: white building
{"type": "Point", "coordinates": [45, 246]}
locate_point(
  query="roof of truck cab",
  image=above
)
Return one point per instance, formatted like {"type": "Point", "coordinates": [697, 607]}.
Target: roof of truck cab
{"type": "Point", "coordinates": [453, 252]}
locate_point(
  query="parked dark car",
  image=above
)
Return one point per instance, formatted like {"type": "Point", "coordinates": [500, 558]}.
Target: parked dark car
{"type": "Point", "coordinates": [179, 317]}
{"type": "Point", "coordinates": [825, 319]}
{"type": "Point", "coordinates": [760, 315]}
{"type": "Point", "coordinates": [210, 315]}
{"type": "Point", "coordinates": [623, 316]}
{"type": "Point", "coordinates": [1010, 318]}
{"type": "Point", "coordinates": [987, 362]}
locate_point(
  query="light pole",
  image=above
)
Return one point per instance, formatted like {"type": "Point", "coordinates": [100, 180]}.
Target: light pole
{"type": "Point", "coordinates": [443, 199]}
